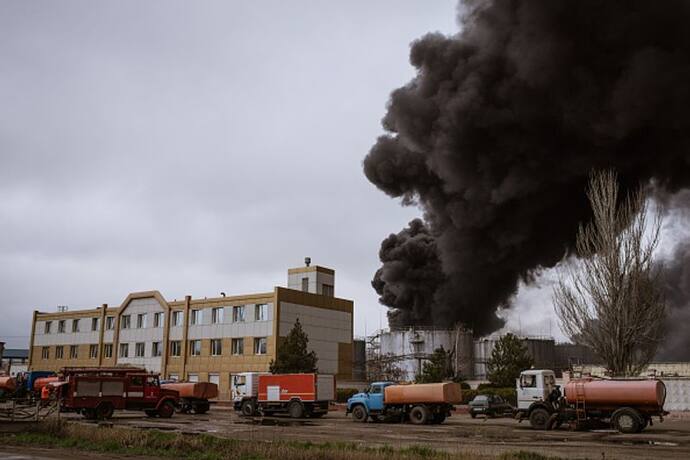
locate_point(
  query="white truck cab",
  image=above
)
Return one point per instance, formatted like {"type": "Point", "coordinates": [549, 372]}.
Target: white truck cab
{"type": "Point", "coordinates": [534, 385]}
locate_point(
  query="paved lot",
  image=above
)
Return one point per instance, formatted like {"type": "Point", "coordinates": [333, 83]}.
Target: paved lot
{"type": "Point", "coordinates": [670, 439]}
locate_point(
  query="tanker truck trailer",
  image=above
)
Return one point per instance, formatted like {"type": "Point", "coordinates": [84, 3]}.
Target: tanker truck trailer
{"type": "Point", "coordinates": [418, 403]}
{"type": "Point", "coordinates": [627, 405]}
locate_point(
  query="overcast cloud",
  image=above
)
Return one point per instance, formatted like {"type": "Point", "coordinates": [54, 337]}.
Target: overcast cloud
{"type": "Point", "coordinates": [194, 147]}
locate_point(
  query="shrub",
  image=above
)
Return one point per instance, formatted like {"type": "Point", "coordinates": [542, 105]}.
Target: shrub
{"type": "Point", "coordinates": [343, 394]}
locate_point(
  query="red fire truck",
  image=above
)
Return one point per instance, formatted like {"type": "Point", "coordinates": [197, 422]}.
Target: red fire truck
{"type": "Point", "coordinates": [295, 394]}
{"type": "Point", "coordinates": [98, 392]}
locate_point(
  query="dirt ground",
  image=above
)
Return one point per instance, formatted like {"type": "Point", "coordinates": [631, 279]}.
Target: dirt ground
{"type": "Point", "coordinates": [670, 439]}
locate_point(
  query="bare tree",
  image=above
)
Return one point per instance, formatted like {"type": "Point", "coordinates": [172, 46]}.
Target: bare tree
{"type": "Point", "coordinates": [612, 300]}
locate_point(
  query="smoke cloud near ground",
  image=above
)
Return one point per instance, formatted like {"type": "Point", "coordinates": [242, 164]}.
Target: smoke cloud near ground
{"type": "Point", "coordinates": [496, 135]}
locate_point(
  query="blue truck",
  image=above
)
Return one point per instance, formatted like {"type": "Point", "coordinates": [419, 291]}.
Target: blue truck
{"type": "Point", "coordinates": [428, 403]}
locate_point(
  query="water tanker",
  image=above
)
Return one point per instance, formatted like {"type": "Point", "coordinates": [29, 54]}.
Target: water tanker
{"type": "Point", "coordinates": [7, 385]}
{"type": "Point", "coordinates": [418, 403]}
{"type": "Point", "coordinates": [194, 396]}
{"type": "Point", "coordinates": [39, 383]}
{"type": "Point", "coordinates": [626, 405]}
{"type": "Point", "coordinates": [649, 394]}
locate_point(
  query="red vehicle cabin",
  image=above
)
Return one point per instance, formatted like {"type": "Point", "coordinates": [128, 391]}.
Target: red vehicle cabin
{"type": "Point", "coordinates": [98, 392]}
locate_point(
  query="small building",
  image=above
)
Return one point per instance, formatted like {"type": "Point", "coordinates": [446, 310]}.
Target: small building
{"type": "Point", "coordinates": [14, 360]}
{"type": "Point", "coordinates": [202, 339]}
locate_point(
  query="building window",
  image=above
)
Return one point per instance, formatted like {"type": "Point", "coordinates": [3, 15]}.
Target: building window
{"type": "Point", "coordinates": [195, 347]}
{"type": "Point", "coordinates": [126, 322]}
{"type": "Point", "coordinates": [305, 284]}
{"type": "Point", "coordinates": [237, 313]}
{"type": "Point", "coordinates": [46, 327]}
{"type": "Point", "coordinates": [124, 350]}
{"type": "Point", "coordinates": [110, 323]}
{"type": "Point", "coordinates": [216, 347]}
{"type": "Point", "coordinates": [193, 377]}
{"type": "Point", "coordinates": [177, 318]}
{"type": "Point", "coordinates": [237, 346]}
{"type": "Point", "coordinates": [61, 326]}
{"type": "Point", "coordinates": [327, 290]}
{"type": "Point", "coordinates": [175, 348]}
{"type": "Point", "coordinates": [195, 317]}
{"type": "Point", "coordinates": [94, 324]}
{"type": "Point", "coordinates": [45, 353]}
{"type": "Point", "coordinates": [73, 351]}
{"type": "Point", "coordinates": [108, 350]}
{"type": "Point", "coordinates": [214, 378]}
{"type": "Point", "coordinates": [139, 349]}
{"type": "Point", "coordinates": [261, 312]}
{"type": "Point", "coordinates": [217, 315]}
{"type": "Point", "coordinates": [156, 349]}
{"type": "Point", "coordinates": [141, 320]}
{"type": "Point", "coordinates": [158, 319]}
{"type": "Point", "coordinates": [59, 352]}
{"type": "Point", "coordinates": [75, 325]}
{"type": "Point", "coordinates": [93, 351]}
{"type": "Point", "coordinates": [260, 346]}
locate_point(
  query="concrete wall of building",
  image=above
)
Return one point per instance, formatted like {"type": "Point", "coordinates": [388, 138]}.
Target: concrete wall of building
{"type": "Point", "coordinates": [677, 394]}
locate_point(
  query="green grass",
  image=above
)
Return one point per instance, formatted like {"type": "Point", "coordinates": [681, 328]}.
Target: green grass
{"type": "Point", "coordinates": [60, 434]}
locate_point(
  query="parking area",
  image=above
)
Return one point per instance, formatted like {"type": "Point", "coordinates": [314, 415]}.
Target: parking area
{"type": "Point", "coordinates": [670, 439]}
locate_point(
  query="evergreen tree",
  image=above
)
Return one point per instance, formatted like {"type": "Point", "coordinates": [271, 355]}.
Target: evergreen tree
{"type": "Point", "coordinates": [292, 356]}
{"type": "Point", "coordinates": [508, 358]}
{"type": "Point", "coordinates": [437, 369]}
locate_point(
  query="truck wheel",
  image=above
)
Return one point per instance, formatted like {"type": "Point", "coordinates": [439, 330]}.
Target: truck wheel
{"type": "Point", "coordinates": [626, 420]}
{"type": "Point", "coordinates": [473, 414]}
{"type": "Point", "coordinates": [200, 407]}
{"type": "Point", "coordinates": [419, 415]}
{"type": "Point", "coordinates": [248, 408]}
{"type": "Point", "coordinates": [359, 414]}
{"type": "Point", "coordinates": [296, 410]}
{"type": "Point", "coordinates": [105, 411]}
{"type": "Point", "coordinates": [166, 410]}
{"type": "Point", "coordinates": [439, 418]}
{"type": "Point", "coordinates": [538, 418]}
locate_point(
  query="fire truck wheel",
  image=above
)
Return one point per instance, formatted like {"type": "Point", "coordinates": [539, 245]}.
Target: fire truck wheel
{"type": "Point", "coordinates": [538, 418]}
{"type": "Point", "coordinates": [419, 415]}
{"type": "Point", "coordinates": [296, 410]}
{"type": "Point", "coordinates": [626, 420]}
{"type": "Point", "coordinates": [105, 411]}
{"type": "Point", "coordinates": [166, 410]}
{"type": "Point", "coordinates": [248, 408]}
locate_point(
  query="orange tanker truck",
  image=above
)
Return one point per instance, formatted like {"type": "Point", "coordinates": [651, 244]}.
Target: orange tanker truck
{"type": "Point", "coordinates": [194, 396]}
{"type": "Point", "coordinates": [627, 405]}
{"type": "Point", "coordinates": [419, 403]}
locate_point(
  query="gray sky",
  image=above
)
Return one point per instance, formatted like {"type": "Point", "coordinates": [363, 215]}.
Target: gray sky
{"type": "Point", "coordinates": [194, 147]}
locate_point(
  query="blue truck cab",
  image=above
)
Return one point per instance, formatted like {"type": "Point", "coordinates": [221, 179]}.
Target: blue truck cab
{"type": "Point", "coordinates": [368, 403]}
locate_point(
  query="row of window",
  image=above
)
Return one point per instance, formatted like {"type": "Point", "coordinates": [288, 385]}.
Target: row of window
{"type": "Point", "coordinates": [216, 349]}
{"type": "Point", "coordinates": [238, 315]}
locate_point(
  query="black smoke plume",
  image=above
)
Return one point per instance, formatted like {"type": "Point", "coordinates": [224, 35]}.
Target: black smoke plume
{"type": "Point", "coordinates": [496, 135]}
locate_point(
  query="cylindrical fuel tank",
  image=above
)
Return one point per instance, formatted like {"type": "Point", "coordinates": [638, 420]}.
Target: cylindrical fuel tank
{"type": "Point", "coordinates": [650, 393]}
{"type": "Point", "coordinates": [43, 381]}
{"type": "Point", "coordinates": [448, 393]}
{"type": "Point", "coordinates": [195, 390]}
{"type": "Point", "coordinates": [8, 384]}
